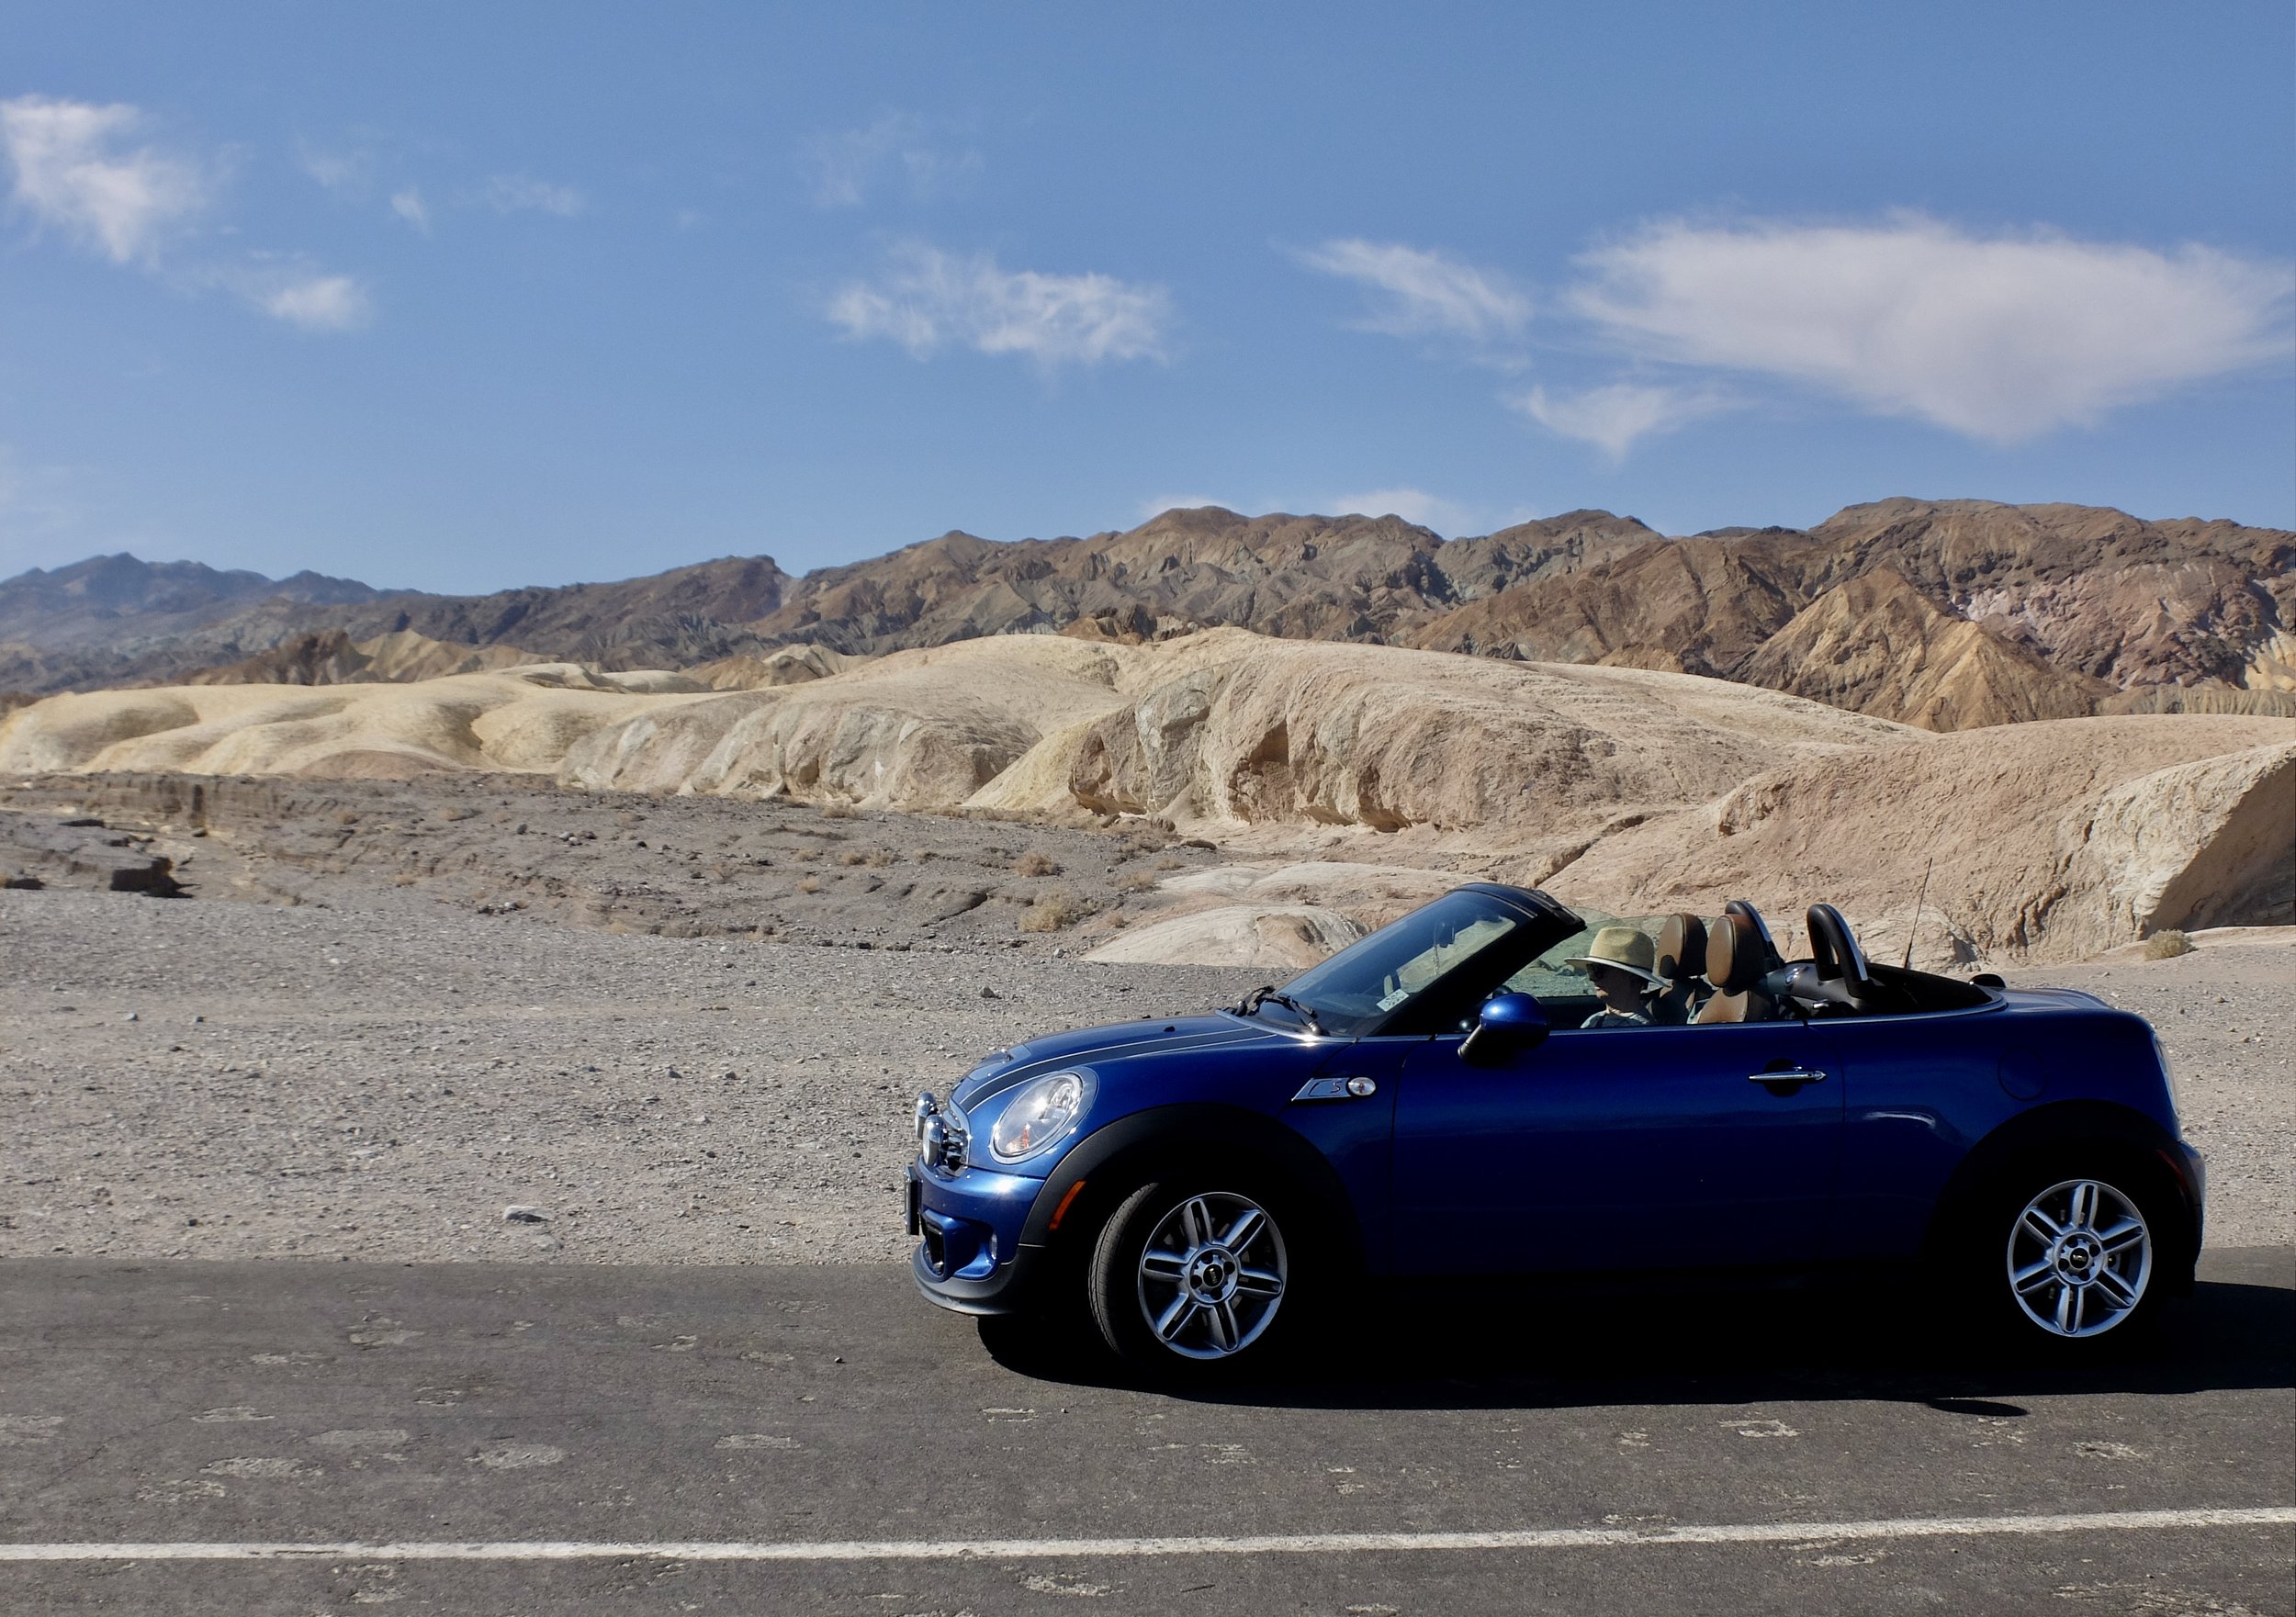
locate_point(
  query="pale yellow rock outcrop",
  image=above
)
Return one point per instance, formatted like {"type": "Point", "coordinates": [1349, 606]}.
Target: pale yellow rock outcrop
{"type": "Point", "coordinates": [520, 719]}
{"type": "Point", "coordinates": [916, 730]}
{"type": "Point", "coordinates": [2053, 840]}
{"type": "Point", "coordinates": [1286, 937]}
{"type": "Point", "coordinates": [1634, 792]}
{"type": "Point", "coordinates": [1293, 730]}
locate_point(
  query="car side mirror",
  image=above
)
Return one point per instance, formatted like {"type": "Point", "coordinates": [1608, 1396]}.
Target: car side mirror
{"type": "Point", "coordinates": [1508, 1024]}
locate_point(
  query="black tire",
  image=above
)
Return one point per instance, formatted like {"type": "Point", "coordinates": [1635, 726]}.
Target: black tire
{"type": "Point", "coordinates": [1248, 1327]}
{"type": "Point", "coordinates": [2097, 1284]}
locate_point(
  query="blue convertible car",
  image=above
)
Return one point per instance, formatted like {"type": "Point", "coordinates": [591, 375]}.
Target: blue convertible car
{"type": "Point", "coordinates": [1426, 1104]}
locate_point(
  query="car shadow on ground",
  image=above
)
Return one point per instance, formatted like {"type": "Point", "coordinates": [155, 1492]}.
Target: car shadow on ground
{"type": "Point", "coordinates": [1435, 1349]}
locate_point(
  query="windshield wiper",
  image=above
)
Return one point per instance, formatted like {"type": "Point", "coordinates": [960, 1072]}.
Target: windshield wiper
{"type": "Point", "coordinates": [1266, 996]}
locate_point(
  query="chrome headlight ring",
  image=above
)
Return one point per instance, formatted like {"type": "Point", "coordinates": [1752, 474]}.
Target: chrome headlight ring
{"type": "Point", "coordinates": [1039, 1115]}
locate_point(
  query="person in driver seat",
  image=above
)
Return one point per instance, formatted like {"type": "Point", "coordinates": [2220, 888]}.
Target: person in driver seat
{"type": "Point", "coordinates": [1621, 964]}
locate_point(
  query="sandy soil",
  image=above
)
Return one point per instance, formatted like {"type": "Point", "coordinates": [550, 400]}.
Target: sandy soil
{"type": "Point", "coordinates": [313, 1058]}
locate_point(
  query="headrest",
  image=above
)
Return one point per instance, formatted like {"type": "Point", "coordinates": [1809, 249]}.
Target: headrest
{"type": "Point", "coordinates": [1735, 957]}
{"type": "Point", "coordinates": [1682, 948]}
{"type": "Point", "coordinates": [1752, 917]}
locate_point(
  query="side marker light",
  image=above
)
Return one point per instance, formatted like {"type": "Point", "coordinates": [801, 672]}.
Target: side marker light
{"type": "Point", "coordinates": [1062, 1211]}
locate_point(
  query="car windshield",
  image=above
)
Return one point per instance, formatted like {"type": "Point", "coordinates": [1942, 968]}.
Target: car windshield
{"type": "Point", "coordinates": [1368, 980]}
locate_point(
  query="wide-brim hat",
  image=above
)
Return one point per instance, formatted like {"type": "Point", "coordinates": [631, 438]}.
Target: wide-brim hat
{"type": "Point", "coordinates": [1622, 948]}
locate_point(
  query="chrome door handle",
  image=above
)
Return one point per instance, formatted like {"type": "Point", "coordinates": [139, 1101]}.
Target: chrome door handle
{"type": "Point", "coordinates": [1788, 1075]}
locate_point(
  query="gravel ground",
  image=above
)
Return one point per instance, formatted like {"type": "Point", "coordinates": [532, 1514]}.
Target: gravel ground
{"type": "Point", "coordinates": [356, 1065]}
{"type": "Point", "coordinates": [680, 867]}
{"type": "Point", "coordinates": [230, 1079]}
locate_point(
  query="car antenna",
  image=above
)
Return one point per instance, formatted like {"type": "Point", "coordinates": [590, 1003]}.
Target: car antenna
{"type": "Point", "coordinates": [1913, 930]}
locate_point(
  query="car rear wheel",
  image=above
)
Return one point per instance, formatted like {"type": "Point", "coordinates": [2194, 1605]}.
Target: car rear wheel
{"type": "Point", "coordinates": [1191, 1279]}
{"type": "Point", "coordinates": [2072, 1247]}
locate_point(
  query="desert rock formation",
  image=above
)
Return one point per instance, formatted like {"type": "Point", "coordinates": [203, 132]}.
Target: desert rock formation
{"type": "Point", "coordinates": [1636, 791]}
{"type": "Point", "coordinates": [2059, 838]}
{"type": "Point", "coordinates": [332, 657]}
{"type": "Point", "coordinates": [1986, 612]}
{"type": "Point", "coordinates": [524, 720]}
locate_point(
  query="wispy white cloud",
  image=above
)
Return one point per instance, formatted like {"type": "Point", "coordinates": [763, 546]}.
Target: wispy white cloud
{"type": "Point", "coordinates": [1419, 293]}
{"type": "Point", "coordinates": [524, 194]}
{"type": "Point", "coordinates": [1155, 505]}
{"type": "Point", "coordinates": [928, 299]}
{"type": "Point", "coordinates": [841, 168]}
{"type": "Point", "coordinates": [2000, 337]}
{"type": "Point", "coordinates": [317, 303]}
{"type": "Point", "coordinates": [407, 205]}
{"type": "Point", "coordinates": [1615, 417]}
{"type": "Point", "coordinates": [75, 171]}
{"type": "Point", "coordinates": [137, 206]}
{"type": "Point", "coordinates": [1413, 505]}
{"type": "Point", "coordinates": [350, 171]}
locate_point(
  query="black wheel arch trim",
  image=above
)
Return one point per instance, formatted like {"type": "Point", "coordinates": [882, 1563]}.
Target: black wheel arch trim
{"type": "Point", "coordinates": [2059, 1123]}
{"type": "Point", "coordinates": [1111, 1161]}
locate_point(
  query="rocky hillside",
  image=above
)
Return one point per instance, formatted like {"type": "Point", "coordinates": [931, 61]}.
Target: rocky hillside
{"type": "Point", "coordinates": [1946, 615]}
{"type": "Point", "coordinates": [1874, 609]}
{"type": "Point", "coordinates": [1637, 791]}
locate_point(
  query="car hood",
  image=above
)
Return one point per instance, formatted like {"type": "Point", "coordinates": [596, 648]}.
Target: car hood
{"type": "Point", "coordinates": [1116, 1040]}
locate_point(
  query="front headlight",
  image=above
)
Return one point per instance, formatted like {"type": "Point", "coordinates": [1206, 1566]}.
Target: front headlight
{"type": "Point", "coordinates": [1039, 1115]}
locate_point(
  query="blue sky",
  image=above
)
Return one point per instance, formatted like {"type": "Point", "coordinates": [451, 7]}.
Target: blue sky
{"type": "Point", "coordinates": [464, 297]}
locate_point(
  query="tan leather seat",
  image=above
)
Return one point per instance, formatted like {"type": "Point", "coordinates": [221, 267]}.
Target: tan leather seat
{"type": "Point", "coordinates": [1681, 957]}
{"type": "Point", "coordinates": [1736, 959]}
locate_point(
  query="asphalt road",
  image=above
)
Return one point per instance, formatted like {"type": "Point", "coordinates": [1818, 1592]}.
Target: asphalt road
{"type": "Point", "coordinates": [671, 1410]}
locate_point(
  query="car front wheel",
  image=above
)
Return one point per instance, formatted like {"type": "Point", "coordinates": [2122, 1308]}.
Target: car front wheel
{"type": "Point", "coordinates": [1190, 1279]}
{"type": "Point", "coordinates": [2075, 1253]}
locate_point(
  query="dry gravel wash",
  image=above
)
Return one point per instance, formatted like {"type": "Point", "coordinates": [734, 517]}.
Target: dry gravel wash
{"type": "Point", "coordinates": [216, 1080]}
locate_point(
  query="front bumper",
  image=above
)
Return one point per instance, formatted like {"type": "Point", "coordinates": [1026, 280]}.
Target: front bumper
{"type": "Point", "coordinates": [969, 1255]}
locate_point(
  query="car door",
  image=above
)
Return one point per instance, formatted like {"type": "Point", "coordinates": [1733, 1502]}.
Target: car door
{"type": "Point", "coordinates": [1688, 1147]}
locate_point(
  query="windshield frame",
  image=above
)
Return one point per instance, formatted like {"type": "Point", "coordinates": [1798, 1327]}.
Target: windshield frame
{"type": "Point", "coordinates": [1540, 924]}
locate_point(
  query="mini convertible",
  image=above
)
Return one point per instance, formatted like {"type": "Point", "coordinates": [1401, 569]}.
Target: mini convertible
{"type": "Point", "coordinates": [1425, 1105]}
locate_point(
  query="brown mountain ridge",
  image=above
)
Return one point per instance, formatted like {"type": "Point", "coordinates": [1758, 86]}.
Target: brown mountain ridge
{"type": "Point", "coordinates": [1948, 614]}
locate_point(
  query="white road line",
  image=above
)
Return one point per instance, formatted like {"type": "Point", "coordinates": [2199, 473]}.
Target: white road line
{"type": "Point", "coordinates": [1062, 1549]}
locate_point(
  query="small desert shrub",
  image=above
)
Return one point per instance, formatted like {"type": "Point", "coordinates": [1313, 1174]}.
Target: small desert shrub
{"type": "Point", "coordinates": [809, 885]}
{"type": "Point", "coordinates": [2167, 945]}
{"type": "Point", "coordinates": [853, 856]}
{"type": "Point", "coordinates": [1137, 881]}
{"type": "Point", "coordinates": [1036, 862]}
{"type": "Point", "coordinates": [923, 855]}
{"type": "Point", "coordinates": [836, 811]}
{"type": "Point", "coordinates": [1054, 908]}
{"type": "Point", "coordinates": [1168, 863]}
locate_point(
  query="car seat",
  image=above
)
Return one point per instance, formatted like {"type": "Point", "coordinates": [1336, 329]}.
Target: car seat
{"type": "Point", "coordinates": [1738, 957]}
{"type": "Point", "coordinates": [1681, 957]}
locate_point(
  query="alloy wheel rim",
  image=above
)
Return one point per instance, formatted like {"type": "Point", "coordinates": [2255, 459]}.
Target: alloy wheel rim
{"type": "Point", "coordinates": [1212, 1275]}
{"type": "Point", "coordinates": [2080, 1256]}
